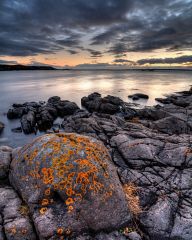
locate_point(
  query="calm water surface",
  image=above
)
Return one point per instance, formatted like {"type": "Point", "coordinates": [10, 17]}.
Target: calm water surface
{"type": "Point", "coordinates": [22, 86]}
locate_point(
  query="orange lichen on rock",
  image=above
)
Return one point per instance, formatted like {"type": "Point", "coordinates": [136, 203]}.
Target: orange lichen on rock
{"type": "Point", "coordinates": [45, 202]}
{"type": "Point", "coordinates": [71, 164]}
{"type": "Point", "coordinates": [60, 231]}
{"type": "Point", "coordinates": [132, 198]}
{"type": "Point", "coordinates": [67, 178]}
{"type": "Point", "coordinates": [76, 176]}
{"type": "Point", "coordinates": [43, 210]}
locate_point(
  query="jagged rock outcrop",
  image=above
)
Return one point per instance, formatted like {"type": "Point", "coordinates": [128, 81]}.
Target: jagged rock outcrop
{"type": "Point", "coordinates": [41, 115]}
{"type": "Point", "coordinates": [95, 103]}
{"type": "Point", "coordinates": [159, 164]}
{"type": "Point", "coordinates": [152, 150]}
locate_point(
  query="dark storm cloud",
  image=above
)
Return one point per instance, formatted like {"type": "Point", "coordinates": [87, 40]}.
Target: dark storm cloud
{"type": "Point", "coordinates": [32, 27]}
{"type": "Point", "coordinates": [122, 61]}
{"type": "Point", "coordinates": [39, 26]}
{"type": "Point", "coordinates": [151, 25]}
{"type": "Point", "coordinates": [72, 52]}
{"type": "Point", "coordinates": [180, 60]}
{"type": "Point", "coordinates": [94, 53]}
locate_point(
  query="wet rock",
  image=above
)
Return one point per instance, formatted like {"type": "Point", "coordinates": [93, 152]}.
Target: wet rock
{"type": "Point", "coordinates": [66, 108]}
{"type": "Point", "coordinates": [113, 100]}
{"type": "Point", "coordinates": [181, 103]}
{"type": "Point", "coordinates": [63, 177]}
{"type": "Point", "coordinates": [163, 100]}
{"type": "Point", "coordinates": [54, 100]}
{"type": "Point", "coordinates": [153, 114]}
{"type": "Point", "coordinates": [128, 113]}
{"type": "Point", "coordinates": [50, 109]}
{"type": "Point", "coordinates": [171, 125]}
{"type": "Point", "coordinates": [1, 127]}
{"type": "Point", "coordinates": [138, 96]}
{"type": "Point", "coordinates": [5, 160]}
{"type": "Point", "coordinates": [32, 104]}
{"type": "Point", "coordinates": [44, 120]}
{"type": "Point", "coordinates": [17, 130]}
{"type": "Point", "coordinates": [15, 113]}
{"type": "Point", "coordinates": [28, 122]}
{"type": "Point", "coordinates": [95, 103]}
{"type": "Point", "coordinates": [14, 219]}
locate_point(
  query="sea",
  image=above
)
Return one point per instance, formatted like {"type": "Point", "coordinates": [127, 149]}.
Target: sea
{"type": "Point", "coordinates": [72, 85]}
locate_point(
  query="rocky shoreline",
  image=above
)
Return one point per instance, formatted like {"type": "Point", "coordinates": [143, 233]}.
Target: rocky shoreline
{"type": "Point", "coordinates": [151, 148]}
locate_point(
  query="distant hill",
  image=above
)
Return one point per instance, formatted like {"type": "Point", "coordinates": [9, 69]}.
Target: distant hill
{"type": "Point", "coordinates": [18, 67]}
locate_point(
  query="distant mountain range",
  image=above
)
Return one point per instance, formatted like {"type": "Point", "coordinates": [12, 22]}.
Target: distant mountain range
{"type": "Point", "coordinates": [18, 67]}
{"type": "Point", "coordinates": [89, 67]}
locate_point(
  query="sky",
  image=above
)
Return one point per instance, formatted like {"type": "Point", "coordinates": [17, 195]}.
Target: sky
{"type": "Point", "coordinates": [83, 33]}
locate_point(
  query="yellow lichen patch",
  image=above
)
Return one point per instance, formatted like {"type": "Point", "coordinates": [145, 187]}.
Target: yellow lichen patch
{"type": "Point", "coordinates": [45, 202]}
{"type": "Point", "coordinates": [70, 208]}
{"type": "Point", "coordinates": [132, 198]}
{"type": "Point", "coordinates": [69, 201]}
{"type": "Point", "coordinates": [43, 210]}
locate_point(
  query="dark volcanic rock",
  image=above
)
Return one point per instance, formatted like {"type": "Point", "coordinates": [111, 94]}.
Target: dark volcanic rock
{"type": "Point", "coordinates": [1, 127]}
{"type": "Point", "coordinates": [17, 130]}
{"type": "Point", "coordinates": [54, 100]}
{"type": "Point", "coordinates": [70, 185]}
{"type": "Point", "coordinates": [15, 113]}
{"type": "Point", "coordinates": [95, 103]}
{"type": "Point", "coordinates": [181, 102]}
{"type": "Point", "coordinates": [28, 122]}
{"type": "Point", "coordinates": [5, 160]}
{"type": "Point", "coordinates": [163, 100]}
{"type": "Point", "coordinates": [44, 120]}
{"type": "Point", "coordinates": [137, 96]}
{"type": "Point", "coordinates": [15, 224]}
{"type": "Point", "coordinates": [65, 108]}
{"type": "Point", "coordinates": [157, 159]}
{"type": "Point", "coordinates": [159, 164]}
{"type": "Point", "coordinates": [172, 125]}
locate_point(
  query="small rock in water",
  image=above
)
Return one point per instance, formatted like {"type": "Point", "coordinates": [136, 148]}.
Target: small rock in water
{"type": "Point", "coordinates": [1, 126]}
{"type": "Point", "coordinates": [137, 96]}
{"type": "Point", "coordinates": [17, 130]}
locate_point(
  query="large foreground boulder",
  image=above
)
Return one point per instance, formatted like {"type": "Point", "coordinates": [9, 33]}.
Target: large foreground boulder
{"type": "Point", "coordinates": [70, 185]}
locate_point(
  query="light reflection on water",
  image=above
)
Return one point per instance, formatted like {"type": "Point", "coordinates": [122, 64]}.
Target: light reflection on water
{"type": "Point", "coordinates": [22, 86]}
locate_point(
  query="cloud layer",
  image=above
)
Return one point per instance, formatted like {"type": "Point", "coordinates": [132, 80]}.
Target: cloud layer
{"type": "Point", "coordinates": [97, 27]}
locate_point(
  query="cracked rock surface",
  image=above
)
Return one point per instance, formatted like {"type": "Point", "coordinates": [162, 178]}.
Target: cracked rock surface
{"type": "Point", "coordinates": [153, 150]}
